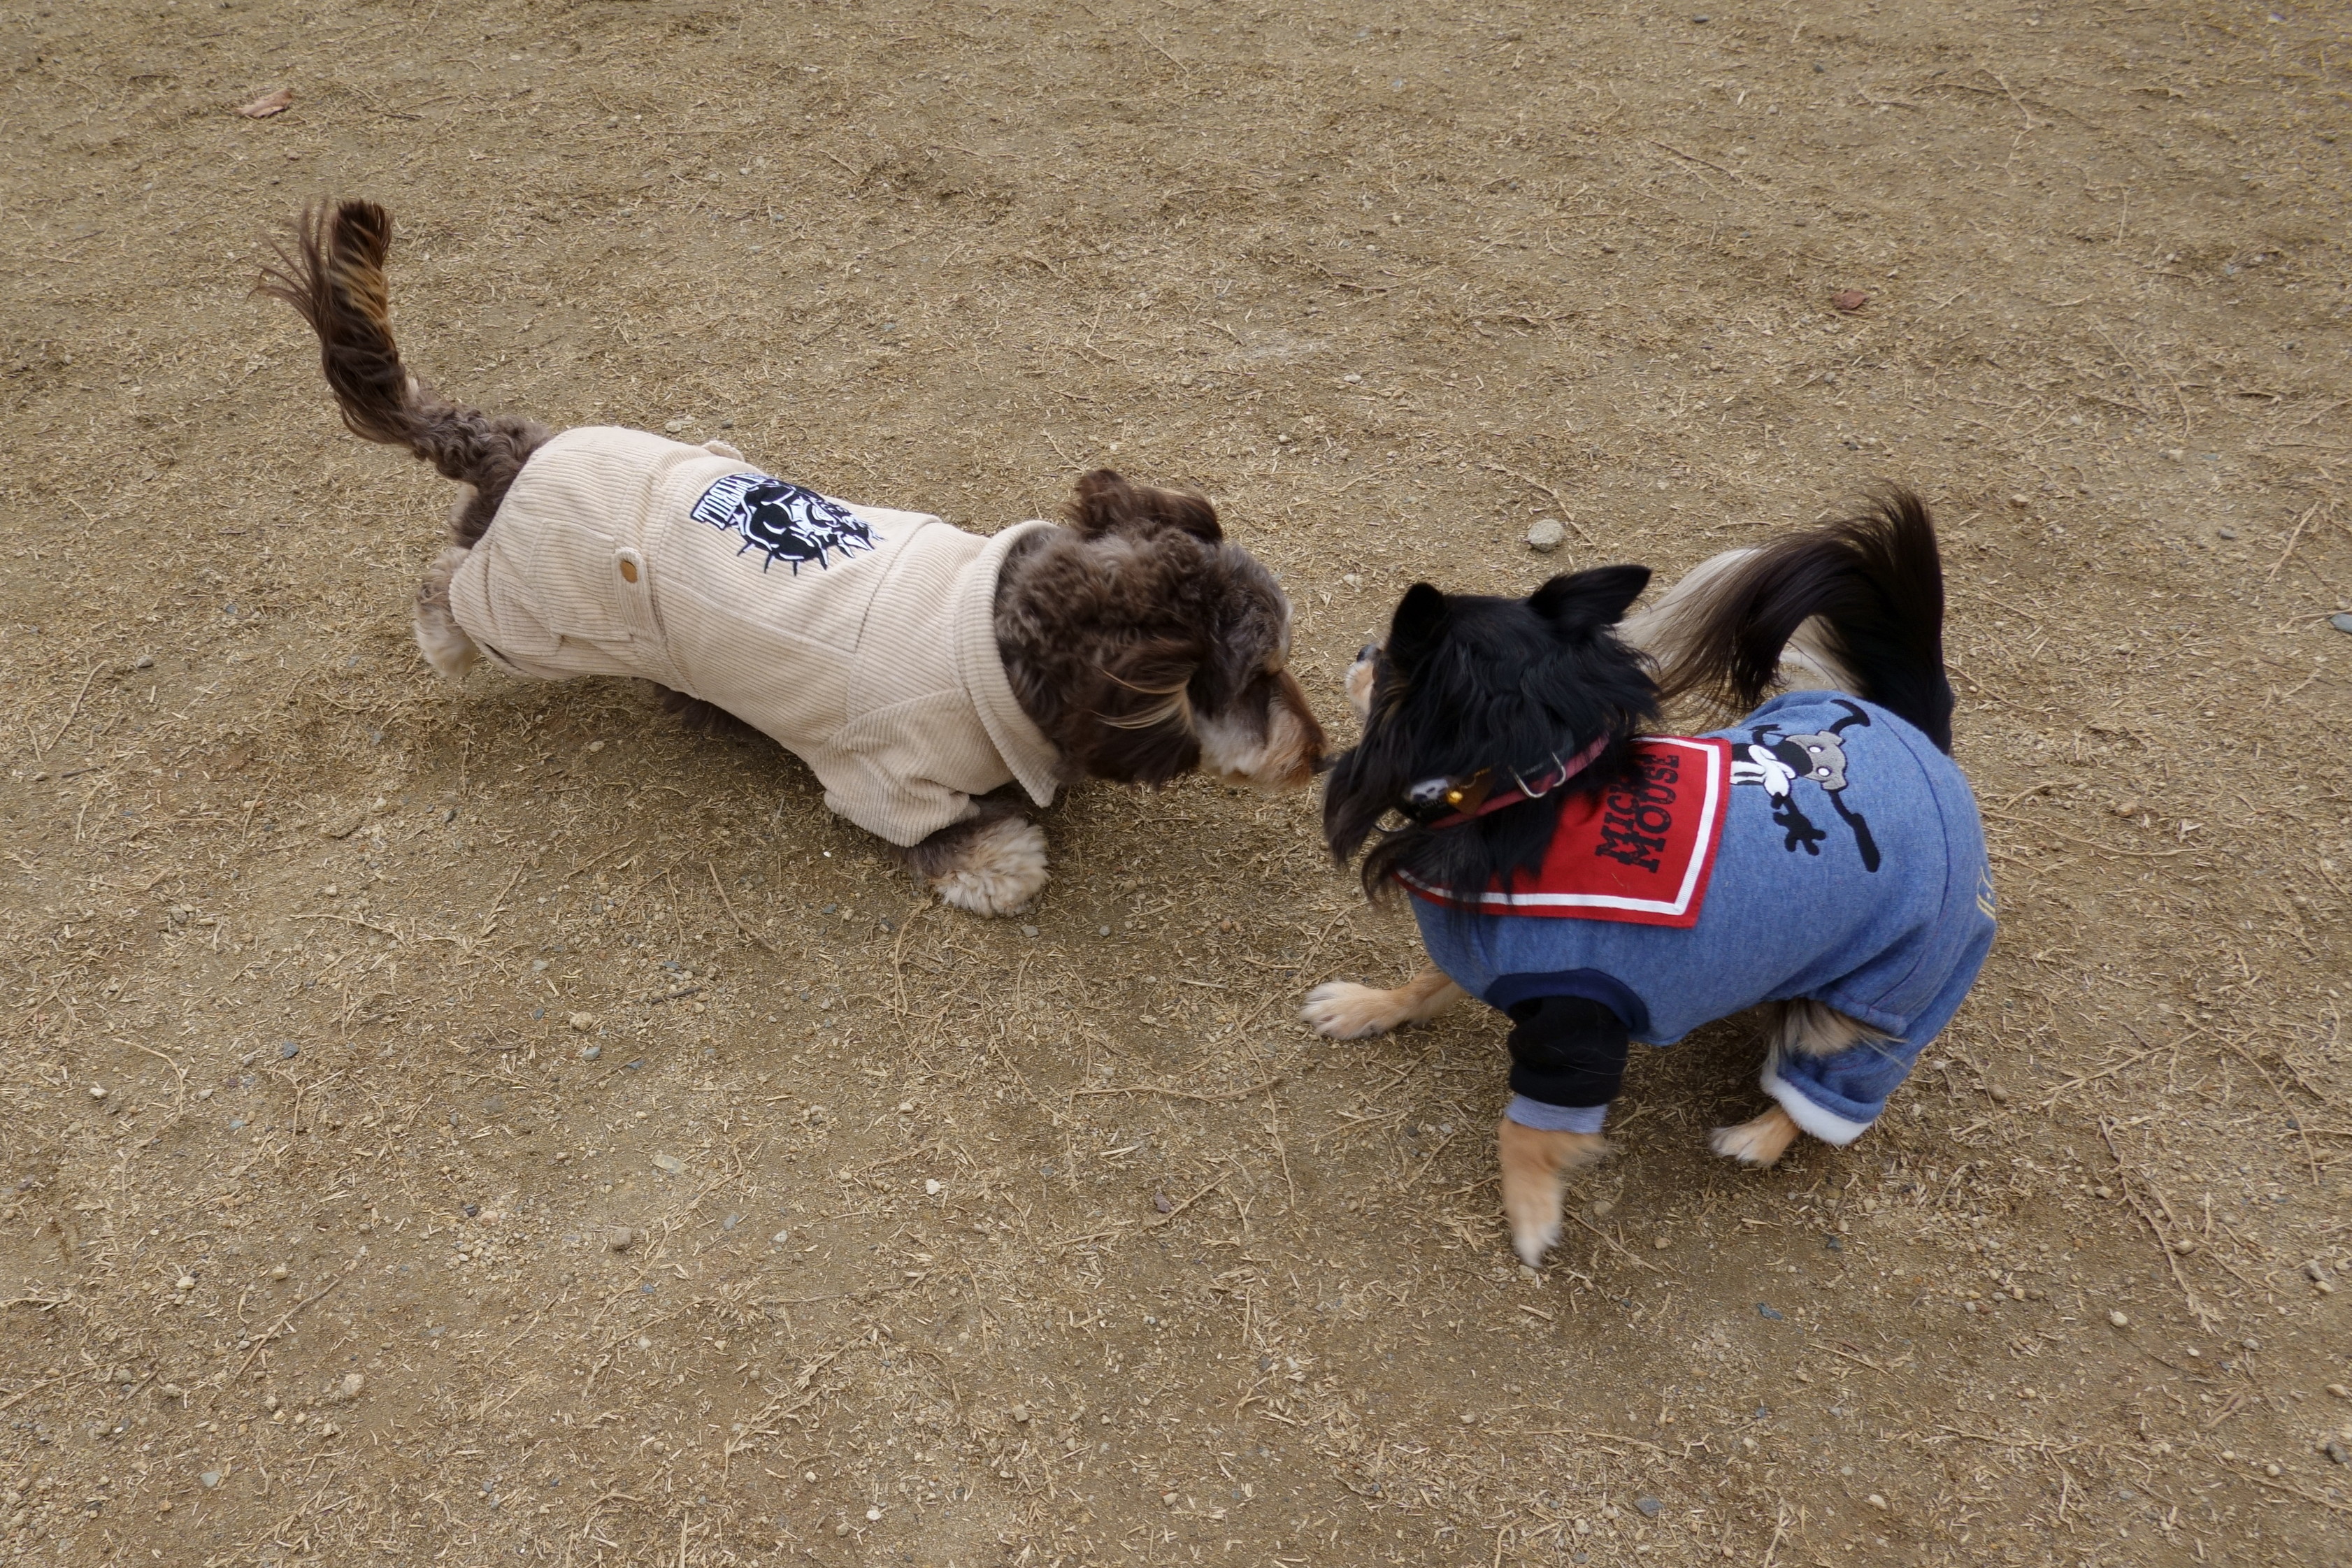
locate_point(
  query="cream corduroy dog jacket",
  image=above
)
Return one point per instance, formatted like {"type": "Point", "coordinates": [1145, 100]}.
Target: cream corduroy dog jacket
{"type": "Point", "coordinates": [860, 639]}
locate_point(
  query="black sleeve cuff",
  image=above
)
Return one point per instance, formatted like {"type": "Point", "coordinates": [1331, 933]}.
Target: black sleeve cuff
{"type": "Point", "coordinates": [1567, 1051]}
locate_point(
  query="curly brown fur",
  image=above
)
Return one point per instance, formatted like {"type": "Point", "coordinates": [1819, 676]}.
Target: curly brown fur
{"type": "Point", "coordinates": [1144, 645]}
{"type": "Point", "coordinates": [333, 273]}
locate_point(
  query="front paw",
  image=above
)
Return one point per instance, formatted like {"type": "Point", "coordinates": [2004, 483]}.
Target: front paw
{"type": "Point", "coordinates": [1341, 1009]}
{"type": "Point", "coordinates": [1533, 1163]}
{"type": "Point", "coordinates": [1758, 1143]}
{"type": "Point", "coordinates": [998, 870]}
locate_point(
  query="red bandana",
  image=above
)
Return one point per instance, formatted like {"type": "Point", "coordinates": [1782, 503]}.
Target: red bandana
{"type": "Point", "coordinates": [1639, 852]}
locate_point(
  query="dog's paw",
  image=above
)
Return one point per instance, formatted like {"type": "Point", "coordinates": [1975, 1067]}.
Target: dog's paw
{"type": "Point", "coordinates": [1341, 1009]}
{"type": "Point", "coordinates": [1758, 1143]}
{"type": "Point", "coordinates": [998, 870]}
{"type": "Point", "coordinates": [1533, 1163]}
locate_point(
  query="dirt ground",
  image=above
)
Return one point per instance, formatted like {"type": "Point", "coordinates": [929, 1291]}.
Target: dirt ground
{"type": "Point", "coordinates": [490, 1124]}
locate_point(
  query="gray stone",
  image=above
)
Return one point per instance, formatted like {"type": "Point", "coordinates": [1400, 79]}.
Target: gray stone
{"type": "Point", "coordinates": [1545, 536]}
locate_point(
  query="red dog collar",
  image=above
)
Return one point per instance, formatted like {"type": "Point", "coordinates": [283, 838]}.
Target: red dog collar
{"type": "Point", "coordinates": [1475, 796]}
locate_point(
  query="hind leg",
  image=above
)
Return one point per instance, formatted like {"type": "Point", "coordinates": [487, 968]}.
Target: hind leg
{"type": "Point", "coordinates": [439, 638]}
{"type": "Point", "coordinates": [1343, 1011]}
{"type": "Point", "coordinates": [1805, 1027]}
{"type": "Point", "coordinates": [1758, 1143]}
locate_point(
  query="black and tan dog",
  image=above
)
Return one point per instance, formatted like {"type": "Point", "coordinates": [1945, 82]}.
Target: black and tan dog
{"type": "Point", "coordinates": [915, 667]}
{"type": "Point", "coordinates": [1601, 884]}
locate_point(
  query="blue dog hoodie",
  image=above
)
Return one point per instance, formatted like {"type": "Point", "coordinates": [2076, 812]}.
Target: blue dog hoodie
{"type": "Point", "coordinates": [1822, 848]}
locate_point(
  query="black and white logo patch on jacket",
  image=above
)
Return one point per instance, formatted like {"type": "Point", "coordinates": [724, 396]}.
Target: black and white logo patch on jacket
{"type": "Point", "coordinates": [785, 521]}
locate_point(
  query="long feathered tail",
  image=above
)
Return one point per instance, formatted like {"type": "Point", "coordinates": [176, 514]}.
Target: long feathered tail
{"type": "Point", "coordinates": [333, 273]}
{"type": "Point", "coordinates": [1862, 599]}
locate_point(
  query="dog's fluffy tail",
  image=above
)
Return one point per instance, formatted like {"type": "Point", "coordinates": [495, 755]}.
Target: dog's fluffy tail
{"type": "Point", "coordinates": [1862, 597]}
{"type": "Point", "coordinates": [333, 273]}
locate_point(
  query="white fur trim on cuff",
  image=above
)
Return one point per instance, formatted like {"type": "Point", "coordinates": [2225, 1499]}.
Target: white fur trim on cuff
{"type": "Point", "coordinates": [1827, 1126]}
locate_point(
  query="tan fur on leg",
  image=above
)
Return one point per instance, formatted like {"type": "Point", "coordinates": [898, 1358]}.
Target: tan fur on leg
{"type": "Point", "coordinates": [1803, 1028]}
{"type": "Point", "coordinates": [439, 638]}
{"type": "Point", "coordinates": [1533, 1165]}
{"type": "Point", "coordinates": [1343, 1011]}
{"type": "Point", "coordinates": [1758, 1143]}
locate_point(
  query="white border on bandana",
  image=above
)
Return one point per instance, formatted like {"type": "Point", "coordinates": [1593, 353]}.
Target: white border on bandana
{"type": "Point", "coordinates": [1718, 773]}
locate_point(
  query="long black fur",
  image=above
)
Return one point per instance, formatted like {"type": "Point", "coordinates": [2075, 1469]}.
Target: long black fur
{"type": "Point", "coordinates": [1470, 680]}
{"type": "Point", "coordinates": [1875, 576]}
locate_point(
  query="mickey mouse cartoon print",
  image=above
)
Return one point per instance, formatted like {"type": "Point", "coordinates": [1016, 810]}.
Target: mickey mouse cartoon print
{"type": "Point", "coordinates": [1776, 762]}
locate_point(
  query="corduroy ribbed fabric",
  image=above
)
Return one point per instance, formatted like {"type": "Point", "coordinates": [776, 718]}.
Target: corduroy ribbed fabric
{"type": "Point", "coordinates": [870, 655]}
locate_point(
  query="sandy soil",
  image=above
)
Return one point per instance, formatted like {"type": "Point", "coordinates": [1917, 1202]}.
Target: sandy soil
{"type": "Point", "coordinates": [410, 1154]}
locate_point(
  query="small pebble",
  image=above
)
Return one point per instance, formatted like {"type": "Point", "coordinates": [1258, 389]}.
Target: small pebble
{"type": "Point", "coordinates": [96, 1092]}
{"type": "Point", "coordinates": [185, 1283]}
{"type": "Point", "coordinates": [210, 1479]}
{"type": "Point", "coordinates": [2340, 1392]}
{"type": "Point", "coordinates": [842, 1529]}
{"type": "Point", "coordinates": [1102, 930]}
{"type": "Point", "coordinates": [1649, 1506]}
{"type": "Point", "coordinates": [670, 1164]}
{"type": "Point", "coordinates": [872, 1515]}
{"type": "Point", "coordinates": [730, 1222]}
{"type": "Point", "coordinates": [2118, 1318]}
{"type": "Point", "coordinates": [1021, 1412]}
{"type": "Point", "coordinates": [277, 1272]}
{"type": "Point", "coordinates": [289, 1051]}
{"type": "Point", "coordinates": [351, 1386]}
{"type": "Point", "coordinates": [1764, 1311]}
{"type": "Point", "coordinates": [1661, 1243]}
{"type": "Point", "coordinates": [1545, 536]}
{"type": "Point", "coordinates": [583, 1022]}
{"type": "Point", "coordinates": [780, 1238]}
{"type": "Point", "coordinates": [591, 1052]}
{"type": "Point", "coordinates": [620, 1238]}
{"type": "Point", "coordinates": [144, 661]}
{"type": "Point", "coordinates": [931, 1188]}
{"type": "Point", "coordinates": [1028, 930]}
{"type": "Point", "coordinates": [1875, 1500]}
{"type": "Point", "coordinates": [2341, 622]}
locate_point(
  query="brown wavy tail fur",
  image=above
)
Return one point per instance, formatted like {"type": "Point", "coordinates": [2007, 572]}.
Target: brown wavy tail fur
{"type": "Point", "coordinates": [333, 274]}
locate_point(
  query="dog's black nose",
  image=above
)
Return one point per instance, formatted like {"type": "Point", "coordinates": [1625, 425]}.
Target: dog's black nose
{"type": "Point", "coordinates": [1369, 651]}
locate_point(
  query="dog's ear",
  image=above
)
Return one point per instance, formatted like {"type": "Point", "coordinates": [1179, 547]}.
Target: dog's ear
{"type": "Point", "coordinates": [1104, 502]}
{"type": "Point", "coordinates": [1139, 705]}
{"type": "Point", "coordinates": [1584, 602]}
{"type": "Point", "coordinates": [1417, 628]}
